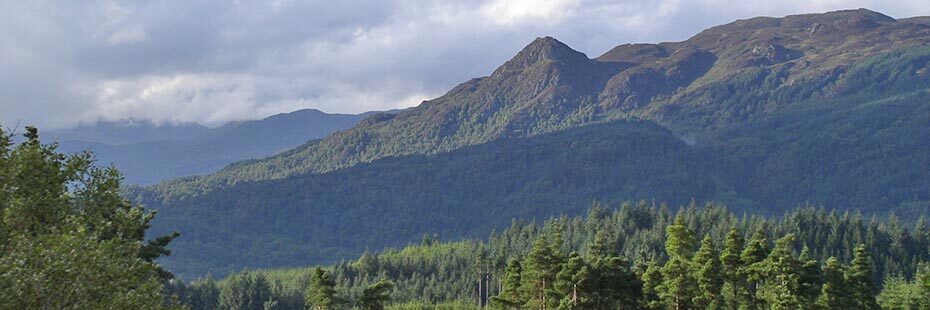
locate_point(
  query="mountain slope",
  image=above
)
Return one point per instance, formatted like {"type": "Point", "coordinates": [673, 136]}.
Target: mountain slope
{"type": "Point", "coordinates": [774, 62]}
{"type": "Point", "coordinates": [762, 114]}
{"type": "Point", "coordinates": [171, 154]}
{"type": "Point", "coordinates": [127, 132]}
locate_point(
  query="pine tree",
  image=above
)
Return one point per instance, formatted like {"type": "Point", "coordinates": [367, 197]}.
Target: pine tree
{"type": "Point", "coordinates": [652, 283]}
{"type": "Point", "coordinates": [539, 272]}
{"type": "Point", "coordinates": [616, 285]}
{"type": "Point", "coordinates": [575, 285]}
{"type": "Point", "coordinates": [781, 273]}
{"type": "Point", "coordinates": [735, 287]}
{"type": "Point", "coordinates": [859, 275]}
{"type": "Point", "coordinates": [810, 280]}
{"type": "Point", "coordinates": [321, 295]}
{"type": "Point", "coordinates": [834, 293]}
{"type": "Point", "coordinates": [679, 287]}
{"type": "Point", "coordinates": [510, 292]}
{"type": "Point", "coordinates": [602, 245]}
{"type": "Point", "coordinates": [376, 295]}
{"type": "Point", "coordinates": [709, 275]}
{"type": "Point", "coordinates": [756, 251]}
{"type": "Point", "coordinates": [247, 291]}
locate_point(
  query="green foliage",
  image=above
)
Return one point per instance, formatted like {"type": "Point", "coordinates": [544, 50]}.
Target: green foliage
{"type": "Point", "coordinates": [509, 296]}
{"type": "Point", "coordinates": [321, 295]}
{"type": "Point", "coordinates": [679, 288]}
{"type": "Point", "coordinates": [835, 293]}
{"type": "Point", "coordinates": [246, 291]}
{"type": "Point", "coordinates": [859, 276]}
{"type": "Point", "coordinates": [539, 275]}
{"type": "Point", "coordinates": [67, 237]}
{"type": "Point", "coordinates": [626, 263]}
{"type": "Point", "coordinates": [376, 295]}
{"type": "Point", "coordinates": [709, 275]}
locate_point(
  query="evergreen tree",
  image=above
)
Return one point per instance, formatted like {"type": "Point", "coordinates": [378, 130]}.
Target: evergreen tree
{"type": "Point", "coordinates": [246, 291]}
{"type": "Point", "coordinates": [375, 296]}
{"type": "Point", "coordinates": [810, 278]}
{"type": "Point", "coordinates": [540, 269]}
{"type": "Point", "coordinates": [509, 297]}
{"type": "Point", "coordinates": [652, 284]}
{"type": "Point", "coordinates": [68, 239]}
{"type": "Point", "coordinates": [756, 251]}
{"type": "Point", "coordinates": [679, 287]}
{"type": "Point", "coordinates": [709, 275]}
{"type": "Point", "coordinates": [321, 295]}
{"type": "Point", "coordinates": [204, 294]}
{"type": "Point", "coordinates": [859, 275]}
{"type": "Point", "coordinates": [735, 287]}
{"type": "Point", "coordinates": [835, 292]}
{"type": "Point", "coordinates": [781, 274]}
{"type": "Point", "coordinates": [602, 245]}
{"type": "Point", "coordinates": [616, 285]}
{"type": "Point", "coordinates": [575, 285]}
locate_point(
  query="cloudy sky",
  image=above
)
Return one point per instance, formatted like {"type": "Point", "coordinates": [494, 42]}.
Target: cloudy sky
{"type": "Point", "coordinates": [212, 61]}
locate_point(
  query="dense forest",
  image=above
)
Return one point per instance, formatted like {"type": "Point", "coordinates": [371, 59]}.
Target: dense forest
{"type": "Point", "coordinates": [634, 256]}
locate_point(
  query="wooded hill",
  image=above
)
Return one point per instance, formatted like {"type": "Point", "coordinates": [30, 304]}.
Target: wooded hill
{"type": "Point", "coordinates": [762, 115]}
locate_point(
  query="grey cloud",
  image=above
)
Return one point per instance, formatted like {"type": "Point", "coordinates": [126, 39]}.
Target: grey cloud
{"type": "Point", "coordinates": [212, 61]}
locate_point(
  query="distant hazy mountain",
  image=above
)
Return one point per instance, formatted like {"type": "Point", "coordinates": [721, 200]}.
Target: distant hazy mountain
{"type": "Point", "coordinates": [763, 114]}
{"type": "Point", "coordinates": [147, 154]}
{"type": "Point", "coordinates": [127, 132]}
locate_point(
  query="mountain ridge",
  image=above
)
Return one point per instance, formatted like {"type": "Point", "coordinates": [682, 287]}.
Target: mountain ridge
{"type": "Point", "coordinates": [752, 117]}
{"type": "Point", "coordinates": [181, 151]}
{"type": "Point", "coordinates": [548, 86]}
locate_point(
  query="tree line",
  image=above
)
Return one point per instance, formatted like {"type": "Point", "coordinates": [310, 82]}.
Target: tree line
{"type": "Point", "coordinates": [633, 256]}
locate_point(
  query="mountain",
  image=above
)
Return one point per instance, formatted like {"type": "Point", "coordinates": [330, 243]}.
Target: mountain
{"type": "Point", "coordinates": [148, 154]}
{"type": "Point", "coordinates": [763, 114]}
{"type": "Point", "coordinates": [127, 132]}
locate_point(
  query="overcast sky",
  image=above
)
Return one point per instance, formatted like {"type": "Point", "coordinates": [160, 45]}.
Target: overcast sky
{"type": "Point", "coordinates": [212, 61]}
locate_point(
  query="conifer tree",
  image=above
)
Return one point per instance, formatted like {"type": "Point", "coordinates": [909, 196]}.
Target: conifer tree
{"type": "Point", "coordinates": [756, 251]}
{"type": "Point", "coordinates": [709, 275]}
{"type": "Point", "coordinates": [859, 275]}
{"type": "Point", "coordinates": [509, 297]}
{"type": "Point", "coordinates": [679, 287]}
{"type": "Point", "coordinates": [781, 274]}
{"type": "Point", "coordinates": [834, 293]}
{"type": "Point", "coordinates": [652, 283]}
{"type": "Point", "coordinates": [734, 290]}
{"type": "Point", "coordinates": [539, 271]}
{"type": "Point", "coordinates": [321, 295]}
{"type": "Point", "coordinates": [810, 278]}
{"type": "Point", "coordinates": [375, 296]}
{"type": "Point", "coordinates": [575, 285]}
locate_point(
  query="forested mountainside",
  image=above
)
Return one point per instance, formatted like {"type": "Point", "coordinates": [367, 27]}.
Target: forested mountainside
{"type": "Point", "coordinates": [635, 256]}
{"type": "Point", "coordinates": [149, 154]}
{"type": "Point", "coordinates": [762, 115]}
{"type": "Point", "coordinates": [724, 76]}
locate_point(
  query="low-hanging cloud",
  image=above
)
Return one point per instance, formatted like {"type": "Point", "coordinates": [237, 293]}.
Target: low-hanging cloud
{"type": "Point", "coordinates": [212, 61]}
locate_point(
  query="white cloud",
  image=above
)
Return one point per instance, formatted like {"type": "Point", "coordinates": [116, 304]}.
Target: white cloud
{"type": "Point", "coordinates": [507, 12]}
{"type": "Point", "coordinates": [128, 35]}
{"type": "Point", "coordinates": [213, 61]}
